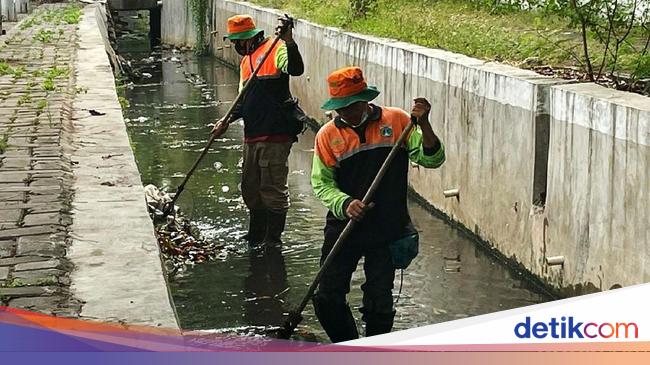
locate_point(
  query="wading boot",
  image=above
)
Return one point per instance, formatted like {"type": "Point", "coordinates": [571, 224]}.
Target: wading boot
{"type": "Point", "coordinates": [336, 319]}
{"type": "Point", "coordinates": [256, 226]}
{"type": "Point", "coordinates": [378, 323]}
{"type": "Point", "coordinates": [274, 227]}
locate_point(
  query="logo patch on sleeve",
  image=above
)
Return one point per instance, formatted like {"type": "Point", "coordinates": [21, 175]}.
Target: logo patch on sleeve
{"type": "Point", "coordinates": [386, 131]}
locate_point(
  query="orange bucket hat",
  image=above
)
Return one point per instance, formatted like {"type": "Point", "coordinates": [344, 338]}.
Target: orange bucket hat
{"type": "Point", "coordinates": [347, 86]}
{"type": "Point", "coordinates": [241, 27]}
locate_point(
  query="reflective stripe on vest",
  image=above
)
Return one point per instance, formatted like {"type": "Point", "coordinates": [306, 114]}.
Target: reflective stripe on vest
{"type": "Point", "coordinates": [334, 144]}
{"type": "Point", "coordinates": [268, 69]}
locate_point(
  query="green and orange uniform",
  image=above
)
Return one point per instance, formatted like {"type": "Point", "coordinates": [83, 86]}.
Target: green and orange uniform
{"type": "Point", "coordinates": [346, 160]}
{"type": "Point", "coordinates": [268, 135]}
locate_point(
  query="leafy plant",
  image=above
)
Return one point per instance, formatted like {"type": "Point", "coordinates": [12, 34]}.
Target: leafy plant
{"type": "Point", "coordinates": [55, 72]}
{"type": "Point", "coordinates": [48, 85]}
{"type": "Point", "coordinates": [19, 72]}
{"type": "Point", "coordinates": [44, 36]}
{"type": "Point", "coordinates": [5, 69]}
{"type": "Point", "coordinates": [30, 22]}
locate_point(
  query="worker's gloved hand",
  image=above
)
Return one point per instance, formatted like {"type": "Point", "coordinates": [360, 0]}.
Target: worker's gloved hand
{"type": "Point", "coordinates": [285, 28]}
{"type": "Point", "coordinates": [421, 109]}
{"type": "Point", "coordinates": [220, 127]}
{"type": "Point", "coordinates": [356, 209]}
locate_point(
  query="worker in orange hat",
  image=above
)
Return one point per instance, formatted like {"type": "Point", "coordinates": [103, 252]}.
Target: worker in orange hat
{"type": "Point", "coordinates": [348, 154]}
{"type": "Point", "coordinates": [268, 135]}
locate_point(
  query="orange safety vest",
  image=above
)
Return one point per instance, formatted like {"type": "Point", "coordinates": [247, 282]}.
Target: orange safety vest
{"type": "Point", "coordinates": [334, 145]}
{"type": "Point", "coordinates": [269, 69]}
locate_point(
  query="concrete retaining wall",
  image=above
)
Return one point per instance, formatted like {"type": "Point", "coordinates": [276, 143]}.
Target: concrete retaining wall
{"type": "Point", "coordinates": [599, 186]}
{"type": "Point", "coordinates": [177, 23]}
{"type": "Point", "coordinates": [9, 10]}
{"type": "Point", "coordinates": [495, 123]}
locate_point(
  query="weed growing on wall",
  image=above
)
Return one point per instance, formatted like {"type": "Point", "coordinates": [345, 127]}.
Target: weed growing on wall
{"type": "Point", "coordinates": [199, 10]}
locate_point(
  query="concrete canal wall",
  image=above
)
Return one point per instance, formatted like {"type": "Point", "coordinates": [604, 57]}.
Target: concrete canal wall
{"type": "Point", "coordinates": [118, 272]}
{"type": "Point", "coordinates": [582, 200]}
{"type": "Point", "coordinates": [177, 24]}
{"type": "Point", "coordinates": [599, 185]}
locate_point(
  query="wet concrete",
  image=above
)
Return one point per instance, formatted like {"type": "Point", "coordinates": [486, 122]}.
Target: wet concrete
{"type": "Point", "coordinates": [168, 117]}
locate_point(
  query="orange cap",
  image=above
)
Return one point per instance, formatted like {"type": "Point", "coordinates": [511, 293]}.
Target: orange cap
{"type": "Point", "coordinates": [241, 27]}
{"type": "Point", "coordinates": [345, 82]}
{"type": "Point", "coordinates": [240, 23]}
{"type": "Point", "coordinates": [347, 86]}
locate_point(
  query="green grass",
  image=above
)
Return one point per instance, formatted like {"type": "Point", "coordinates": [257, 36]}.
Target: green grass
{"type": "Point", "coordinates": [69, 14]}
{"type": "Point", "coordinates": [25, 99]}
{"type": "Point", "coordinates": [15, 283]}
{"type": "Point", "coordinates": [44, 36]}
{"type": "Point", "coordinates": [48, 85]}
{"type": "Point", "coordinates": [5, 69]}
{"type": "Point", "coordinates": [462, 27]}
{"type": "Point", "coordinates": [40, 106]}
{"type": "Point", "coordinates": [19, 72]}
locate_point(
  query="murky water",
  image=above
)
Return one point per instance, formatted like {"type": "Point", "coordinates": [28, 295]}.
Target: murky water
{"type": "Point", "coordinates": [168, 121]}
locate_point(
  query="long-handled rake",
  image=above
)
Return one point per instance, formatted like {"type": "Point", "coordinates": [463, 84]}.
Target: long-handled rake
{"type": "Point", "coordinates": [295, 316]}
{"type": "Point", "coordinates": [227, 116]}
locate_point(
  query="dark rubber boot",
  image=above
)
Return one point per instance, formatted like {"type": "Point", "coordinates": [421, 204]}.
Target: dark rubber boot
{"type": "Point", "coordinates": [378, 323]}
{"type": "Point", "coordinates": [256, 226]}
{"type": "Point", "coordinates": [336, 319]}
{"type": "Point", "coordinates": [274, 227]}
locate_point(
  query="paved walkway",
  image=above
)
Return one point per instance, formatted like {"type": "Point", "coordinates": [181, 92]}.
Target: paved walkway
{"type": "Point", "coordinates": [75, 236]}
{"type": "Point", "coordinates": [35, 175]}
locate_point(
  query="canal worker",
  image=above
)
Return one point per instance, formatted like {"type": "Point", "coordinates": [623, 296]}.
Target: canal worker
{"type": "Point", "coordinates": [348, 153]}
{"type": "Point", "coordinates": [268, 135]}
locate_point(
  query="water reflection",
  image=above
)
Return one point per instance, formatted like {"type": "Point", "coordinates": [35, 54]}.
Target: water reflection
{"type": "Point", "coordinates": [264, 287]}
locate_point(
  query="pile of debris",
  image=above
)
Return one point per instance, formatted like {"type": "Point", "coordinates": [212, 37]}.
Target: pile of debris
{"type": "Point", "coordinates": [618, 81]}
{"type": "Point", "coordinates": [180, 243]}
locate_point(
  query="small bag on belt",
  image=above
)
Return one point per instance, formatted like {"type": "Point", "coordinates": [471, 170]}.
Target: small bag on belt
{"type": "Point", "coordinates": [294, 115]}
{"type": "Point", "coordinates": [404, 250]}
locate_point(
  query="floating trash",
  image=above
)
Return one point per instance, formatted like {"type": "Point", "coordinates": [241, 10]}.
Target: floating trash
{"type": "Point", "coordinates": [218, 165]}
{"type": "Point", "coordinates": [225, 188]}
{"type": "Point", "coordinates": [180, 243]}
{"type": "Point", "coordinates": [146, 75]}
{"type": "Point", "coordinates": [142, 119]}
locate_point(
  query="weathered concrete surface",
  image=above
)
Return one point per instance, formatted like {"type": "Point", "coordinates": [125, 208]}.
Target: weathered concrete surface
{"type": "Point", "coordinates": [177, 23]}
{"type": "Point", "coordinates": [35, 171]}
{"type": "Point", "coordinates": [9, 10]}
{"type": "Point", "coordinates": [599, 186]}
{"type": "Point", "coordinates": [118, 268]}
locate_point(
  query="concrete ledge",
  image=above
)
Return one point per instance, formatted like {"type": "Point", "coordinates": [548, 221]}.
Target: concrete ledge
{"type": "Point", "coordinates": [118, 272]}
{"type": "Point", "coordinates": [599, 184]}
